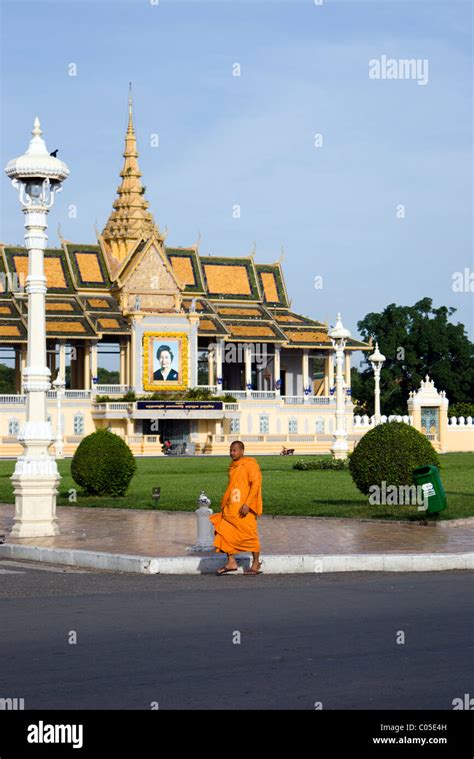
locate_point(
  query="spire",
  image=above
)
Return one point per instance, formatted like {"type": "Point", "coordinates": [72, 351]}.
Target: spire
{"type": "Point", "coordinates": [130, 219]}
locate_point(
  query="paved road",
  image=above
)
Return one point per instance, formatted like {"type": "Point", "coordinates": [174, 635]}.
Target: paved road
{"type": "Point", "coordinates": [303, 639]}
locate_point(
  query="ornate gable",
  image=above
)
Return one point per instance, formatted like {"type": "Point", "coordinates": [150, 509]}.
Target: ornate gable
{"type": "Point", "coordinates": [147, 283]}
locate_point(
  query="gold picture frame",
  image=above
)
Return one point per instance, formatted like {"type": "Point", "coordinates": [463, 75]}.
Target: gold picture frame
{"type": "Point", "coordinates": [165, 361]}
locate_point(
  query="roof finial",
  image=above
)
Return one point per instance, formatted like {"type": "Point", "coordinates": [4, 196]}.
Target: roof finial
{"type": "Point", "coordinates": [36, 131]}
{"type": "Point", "coordinates": [130, 104]}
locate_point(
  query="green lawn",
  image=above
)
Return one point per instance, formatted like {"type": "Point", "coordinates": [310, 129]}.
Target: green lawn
{"type": "Point", "coordinates": [285, 490]}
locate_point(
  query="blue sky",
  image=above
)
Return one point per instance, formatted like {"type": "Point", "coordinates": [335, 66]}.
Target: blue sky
{"type": "Point", "coordinates": [249, 140]}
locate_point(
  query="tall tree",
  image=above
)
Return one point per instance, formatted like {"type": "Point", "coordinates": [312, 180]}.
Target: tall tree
{"type": "Point", "coordinates": [416, 340]}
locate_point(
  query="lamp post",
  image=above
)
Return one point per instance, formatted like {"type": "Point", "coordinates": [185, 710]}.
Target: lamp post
{"type": "Point", "coordinates": [339, 335]}
{"type": "Point", "coordinates": [37, 176]}
{"type": "Point", "coordinates": [59, 385]}
{"type": "Point", "coordinates": [377, 359]}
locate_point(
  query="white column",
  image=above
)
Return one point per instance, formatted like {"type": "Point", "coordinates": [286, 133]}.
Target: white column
{"type": "Point", "coordinates": [122, 380]}
{"type": "Point", "coordinates": [127, 363]}
{"type": "Point", "coordinates": [87, 366]}
{"type": "Point", "coordinates": [331, 370]}
{"type": "Point", "coordinates": [305, 371]}
{"type": "Point", "coordinates": [219, 356]}
{"type": "Point", "coordinates": [23, 365]}
{"type": "Point", "coordinates": [62, 360]}
{"type": "Point", "coordinates": [326, 375]}
{"type": "Point", "coordinates": [248, 367]}
{"type": "Point", "coordinates": [211, 354]}
{"type": "Point", "coordinates": [276, 368]}
{"type": "Point", "coordinates": [93, 360]}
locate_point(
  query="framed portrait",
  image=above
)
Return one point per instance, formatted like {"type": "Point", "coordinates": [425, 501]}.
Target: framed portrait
{"type": "Point", "coordinates": [165, 361]}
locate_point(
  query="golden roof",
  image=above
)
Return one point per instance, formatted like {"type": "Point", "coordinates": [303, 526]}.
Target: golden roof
{"type": "Point", "coordinates": [269, 286]}
{"type": "Point", "coordinates": [227, 279]}
{"type": "Point", "coordinates": [183, 269]}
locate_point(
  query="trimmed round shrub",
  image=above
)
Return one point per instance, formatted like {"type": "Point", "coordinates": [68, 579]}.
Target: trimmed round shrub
{"type": "Point", "coordinates": [389, 453]}
{"type": "Point", "coordinates": [103, 464]}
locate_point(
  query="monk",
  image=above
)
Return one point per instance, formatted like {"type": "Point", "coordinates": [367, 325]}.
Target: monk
{"type": "Point", "coordinates": [236, 524]}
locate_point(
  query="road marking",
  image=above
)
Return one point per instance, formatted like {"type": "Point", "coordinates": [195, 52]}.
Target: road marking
{"type": "Point", "coordinates": [40, 567]}
{"type": "Point", "coordinates": [10, 572]}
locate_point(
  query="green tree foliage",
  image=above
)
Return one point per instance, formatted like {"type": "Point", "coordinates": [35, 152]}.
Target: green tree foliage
{"type": "Point", "coordinates": [7, 380]}
{"type": "Point", "coordinates": [106, 377]}
{"type": "Point", "coordinates": [416, 340]}
{"type": "Point", "coordinates": [461, 409]}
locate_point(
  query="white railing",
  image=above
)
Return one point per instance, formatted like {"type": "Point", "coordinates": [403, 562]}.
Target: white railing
{"type": "Point", "coordinates": [12, 400]}
{"type": "Point", "coordinates": [70, 394]}
{"type": "Point", "coordinates": [267, 438]}
{"type": "Point", "coordinates": [262, 395]}
{"type": "Point", "coordinates": [231, 406]}
{"type": "Point", "coordinates": [460, 422]}
{"type": "Point", "coordinates": [114, 406]}
{"type": "Point", "coordinates": [74, 438]}
{"type": "Point", "coordinates": [316, 400]}
{"type": "Point", "coordinates": [369, 421]}
{"type": "Point", "coordinates": [110, 389]}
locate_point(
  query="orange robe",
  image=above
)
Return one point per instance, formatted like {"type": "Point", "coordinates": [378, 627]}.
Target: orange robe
{"type": "Point", "coordinates": [233, 532]}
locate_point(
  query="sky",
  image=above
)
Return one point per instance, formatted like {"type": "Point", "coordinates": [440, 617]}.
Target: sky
{"type": "Point", "coordinates": [377, 210]}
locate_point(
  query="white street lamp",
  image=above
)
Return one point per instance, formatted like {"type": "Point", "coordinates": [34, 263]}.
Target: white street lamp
{"type": "Point", "coordinates": [37, 176]}
{"type": "Point", "coordinates": [377, 359]}
{"type": "Point", "coordinates": [59, 385]}
{"type": "Point", "coordinates": [339, 335]}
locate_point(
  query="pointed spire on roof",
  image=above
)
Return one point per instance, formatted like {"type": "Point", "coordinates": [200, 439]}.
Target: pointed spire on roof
{"type": "Point", "coordinates": [130, 220]}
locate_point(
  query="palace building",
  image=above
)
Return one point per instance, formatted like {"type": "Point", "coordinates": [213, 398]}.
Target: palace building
{"type": "Point", "coordinates": [178, 320]}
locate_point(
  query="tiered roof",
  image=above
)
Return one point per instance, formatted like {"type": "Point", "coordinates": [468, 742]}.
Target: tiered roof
{"type": "Point", "coordinates": [236, 299]}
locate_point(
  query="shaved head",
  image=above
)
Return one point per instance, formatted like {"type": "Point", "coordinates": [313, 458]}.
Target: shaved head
{"type": "Point", "coordinates": [236, 450]}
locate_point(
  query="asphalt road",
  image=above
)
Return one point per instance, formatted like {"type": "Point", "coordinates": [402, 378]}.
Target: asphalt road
{"type": "Point", "coordinates": [174, 640]}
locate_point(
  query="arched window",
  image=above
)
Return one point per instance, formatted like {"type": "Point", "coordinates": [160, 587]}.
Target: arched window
{"type": "Point", "coordinates": [292, 426]}
{"type": "Point", "coordinates": [13, 427]}
{"type": "Point", "coordinates": [264, 424]}
{"type": "Point", "coordinates": [234, 425]}
{"type": "Point", "coordinates": [78, 424]}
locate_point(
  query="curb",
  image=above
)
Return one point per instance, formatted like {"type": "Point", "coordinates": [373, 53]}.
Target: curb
{"type": "Point", "coordinates": [208, 564]}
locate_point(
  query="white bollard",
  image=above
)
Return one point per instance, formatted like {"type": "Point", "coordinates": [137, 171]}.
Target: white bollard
{"type": "Point", "coordinates": [205, 528]}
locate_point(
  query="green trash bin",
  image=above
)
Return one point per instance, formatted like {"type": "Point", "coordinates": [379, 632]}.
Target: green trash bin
{"type": "Point", "coordinates": [427, 477]}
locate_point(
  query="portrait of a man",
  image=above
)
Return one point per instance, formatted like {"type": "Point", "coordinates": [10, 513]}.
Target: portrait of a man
{"type": "Point", "coordinates": [163, 365]}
